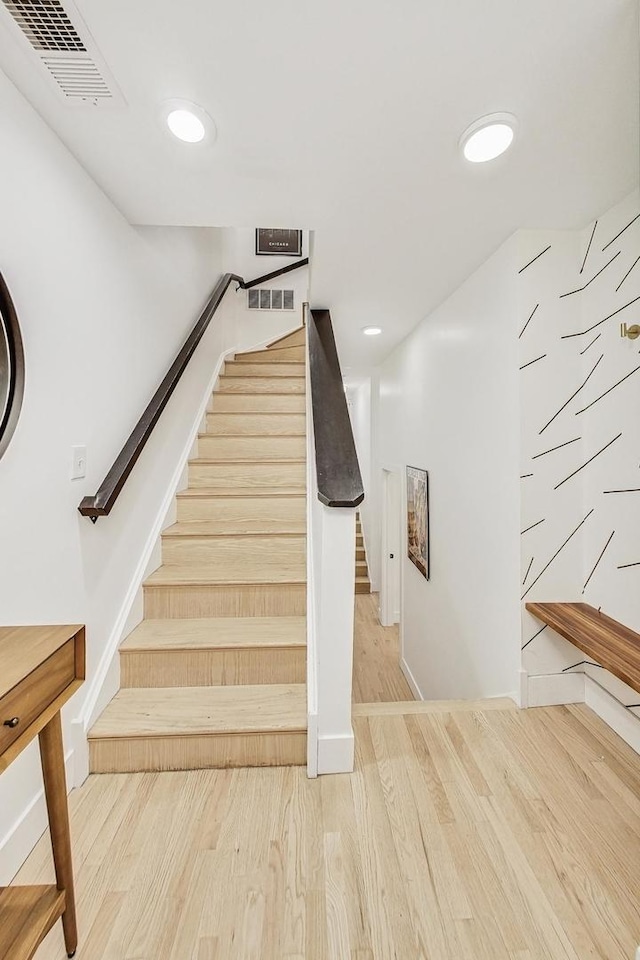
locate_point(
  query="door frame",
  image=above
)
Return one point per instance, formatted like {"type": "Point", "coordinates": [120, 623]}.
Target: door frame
{"type": "Point", "coordinates": [391, 542]}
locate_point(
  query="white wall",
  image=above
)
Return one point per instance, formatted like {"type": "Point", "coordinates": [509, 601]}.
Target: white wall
{"type": "Point", "coordinates": [257, 326]}
{"type": "Point", "coordinates": [448, 403]}
{"type": "Point", "coordinates": [103, 308]}
{"type": "Point", "coordinates": [612, 520]}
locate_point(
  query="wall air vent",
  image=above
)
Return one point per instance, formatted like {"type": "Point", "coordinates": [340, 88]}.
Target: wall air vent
{"type": "Point", "coordinates": [270, 299]}
{"type": "Point", "coordinates": [60, 39]}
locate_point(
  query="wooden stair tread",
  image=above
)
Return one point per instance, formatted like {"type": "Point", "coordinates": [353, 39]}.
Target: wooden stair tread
{"type": "Point", "coordinates": [257, 491]}
{"type": "Point", "coordinates": [193, 711]}
{"type": "Point", "coordinates": [247, 528]}
{"type": "Point", "coordinates": [608, 642]}
{"type": "Point", "coordinates": [175, 574]}
{"type": "Point", "coordinates": [217, 633]}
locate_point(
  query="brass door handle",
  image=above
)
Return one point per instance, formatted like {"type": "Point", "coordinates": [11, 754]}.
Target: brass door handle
{"type": "Point", "coordinates": [12, 723]}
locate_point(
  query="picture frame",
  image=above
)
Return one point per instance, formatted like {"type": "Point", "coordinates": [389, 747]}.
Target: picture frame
{"type": "Point", "coordinates": [278, 243]}
{"type": "Point", "coordinates": [418, 526]}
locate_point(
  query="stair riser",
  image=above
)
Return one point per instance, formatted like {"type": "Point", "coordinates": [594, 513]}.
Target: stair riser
{"type": "Point", "coordinates": [361, 570]}
{"type": "Point", "coordinates": [199, 752]}
{"type": "Point", "coordinates": [195, 668]}
{"type": "Point", "coordinates": [360, 556]}
{"type": "Point", "coordinates": [252, 448]}
{"type": "Point", "coordinates": [270, 370]}
{"type": "Point", "coordinates": [225, 600]}
{"type": "Point", "coordinates": [247, 475]}
{"type": "Point", "coordinates": [268, 550]}
{"type": "Point", "coordinates": [257, 385]}
{"type": "Point", "coordinates": [242, 509]}
{"type": "Point", "coordinates": [258, 403]}
{"type": "Point", "coordinates": [363, 588]}
{"type": "Point", "coordinates": [254, 425]}
{"type": "Point", "coordinates": [273, 355]}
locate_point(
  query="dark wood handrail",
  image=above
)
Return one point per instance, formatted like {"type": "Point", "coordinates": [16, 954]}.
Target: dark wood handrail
{"type": "Point", "coordinates": [274, 274]}
{"type": "Point", "coordinates": [337, 468]}
{"type": "Point", "coordinates": [102, 503]}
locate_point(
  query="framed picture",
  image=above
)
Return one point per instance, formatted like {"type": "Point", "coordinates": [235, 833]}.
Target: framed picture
{"type": "Point", "coordinates": [278, 243]}
{"type": "Point", "coordinates": [418, 519]}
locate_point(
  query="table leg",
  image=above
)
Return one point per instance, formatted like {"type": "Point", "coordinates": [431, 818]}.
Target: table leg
{"type": "Point", "coordinates": [55, 788]}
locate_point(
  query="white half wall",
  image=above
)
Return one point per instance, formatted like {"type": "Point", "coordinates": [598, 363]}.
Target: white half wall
{"type": "Point", "coordinates": [448, 403]}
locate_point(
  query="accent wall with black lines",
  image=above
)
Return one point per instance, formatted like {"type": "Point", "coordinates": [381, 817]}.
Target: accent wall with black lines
{"type": "Point", "coordinates": [580, 439]}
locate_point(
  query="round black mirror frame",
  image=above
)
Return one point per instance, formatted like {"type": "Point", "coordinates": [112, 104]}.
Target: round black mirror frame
{"type": "Point", "coordinates": [9, 320]}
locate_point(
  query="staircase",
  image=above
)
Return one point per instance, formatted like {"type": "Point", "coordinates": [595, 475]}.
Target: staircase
{"type": "Point", "coordinates": [363, 584]}
{"type": "Point", "coordinates": [214, 676]}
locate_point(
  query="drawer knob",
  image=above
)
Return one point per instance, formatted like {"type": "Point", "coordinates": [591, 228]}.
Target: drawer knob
{"type": "Point", "coordinates": [12, 723]}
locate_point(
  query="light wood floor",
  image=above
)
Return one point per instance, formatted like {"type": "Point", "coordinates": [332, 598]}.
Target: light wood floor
{"type": "Point", "coordinates": [376, 656]}
{"type": "Point", "coordinates": [485, 833]}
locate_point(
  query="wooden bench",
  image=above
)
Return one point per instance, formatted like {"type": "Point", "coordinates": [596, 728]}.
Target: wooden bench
{"type": "Point", "coordinates": [611, 644]}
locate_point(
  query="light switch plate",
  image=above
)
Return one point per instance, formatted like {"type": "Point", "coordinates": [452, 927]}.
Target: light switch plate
{"type": "Point", "coordinates": [78, 462]}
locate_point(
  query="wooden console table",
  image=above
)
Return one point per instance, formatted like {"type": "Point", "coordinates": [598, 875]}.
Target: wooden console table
{"type": "Point", "coordinates": [40, 669]}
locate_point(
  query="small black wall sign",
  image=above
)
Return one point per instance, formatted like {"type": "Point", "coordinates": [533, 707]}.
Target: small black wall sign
{"type": "Point", "coordinates": [278, 243]}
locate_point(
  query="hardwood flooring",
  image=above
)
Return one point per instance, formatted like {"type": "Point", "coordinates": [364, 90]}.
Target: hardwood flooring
{"type": "Point", "coordinates": [376, 656]}
{"type": "Point", "coordinates": [480, 834]}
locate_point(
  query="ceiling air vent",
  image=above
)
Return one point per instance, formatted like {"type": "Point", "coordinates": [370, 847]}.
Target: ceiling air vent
{"type": "Point", "coordinates": [65, 49]}
{"type": "Point", "coordinates": [270, 299]}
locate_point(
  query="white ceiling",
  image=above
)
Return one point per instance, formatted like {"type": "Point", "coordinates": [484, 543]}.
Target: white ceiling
{"type": "Point", "coordinates": [344, 117]}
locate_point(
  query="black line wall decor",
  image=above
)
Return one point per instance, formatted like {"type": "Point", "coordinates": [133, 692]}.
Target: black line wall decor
{"type": "Point", "coordinates": [574, 395]}
{"type": "Point", "coordinates": [534, 637]}
{"type": "Point", "coordinates": [557, 553]}
{"type": "Point", "coordinates": [631, 222]}
{"type": "Point", "coordinates": [627, 273]}
{"type": "Point", "coordinates": [589, 345]}
{"type": "Point", "coordinates": [584, 262]}
{"type": "Point", "coordinates": [532, 527]}
{"type": "Point", "coordinates": [597, 563]}
{"type": "Point", "coordinates": [537, 257]}
{"type": "Point", "coordinates": [568, 336]}
{"type": "Point", "coordinates": [531, 362]}
{"type": "Point", "coordinates": [589, 282]}
{"type": "Point", "coordinates": [526, 576]}
{"type": "Point", "coordinates": [529, 320]}
{"type": "Point", "coordinates": [583, 368]}
{"type": "Point", "coordinates": [567, 443]}
{"type": "Point", "coordinates": [607, 392]}
{"type": "Point", "coordinates": [590, 460]}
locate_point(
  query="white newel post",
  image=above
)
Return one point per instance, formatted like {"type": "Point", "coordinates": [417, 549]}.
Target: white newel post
{"type": "Point", "coordinates": [331, 543]}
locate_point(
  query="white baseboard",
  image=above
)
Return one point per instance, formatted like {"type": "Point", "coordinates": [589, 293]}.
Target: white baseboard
{"type": "Point", "coordinates": [522, 699]}
{"type": "Point", "coordinates": [625, 723]}
{"type": "Point", "coordinates": [336, 754]}
{"type": "Point", "coordinates": [22, 836]}
{"type": "Point", "coordinates": [411, 680]}
{"type": "Point", "coordinates": [312, 745]}
{"type": "Point", "coordinates": [106, 677]}
{"type": "Point", "coordinates": [555, 688]}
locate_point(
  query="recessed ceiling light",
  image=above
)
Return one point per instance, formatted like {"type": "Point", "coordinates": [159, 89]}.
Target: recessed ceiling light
{"type": "Point", "coordinates": [371, 331]}
{"type": "Point", "coordinates": [186, 126]}
{"type": "Point", "coordinates": [188, 122]}
{"type": "Point", "coordinates": [488, 137]}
